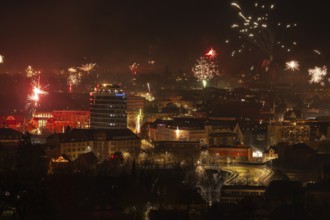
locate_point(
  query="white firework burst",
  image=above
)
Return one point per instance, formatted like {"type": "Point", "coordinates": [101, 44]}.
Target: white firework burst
{"type": "Point", "coordinates": [205, 69]}
{"type": "Point", "coordinates": [34, 98]}
{"type": "Point", "coordinates": [292, 65]}
{"type": "Point", "coordinates": [317, 74]}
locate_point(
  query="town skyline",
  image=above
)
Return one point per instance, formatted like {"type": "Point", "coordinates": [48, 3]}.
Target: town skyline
{"type": "Point", "coordinates": [164, 110]}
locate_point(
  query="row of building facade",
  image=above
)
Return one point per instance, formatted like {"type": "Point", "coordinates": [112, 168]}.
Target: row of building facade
{"type": "Point", "coordinates": [112, 111]}
{"type": "Point", "coordinates": [206, 131]}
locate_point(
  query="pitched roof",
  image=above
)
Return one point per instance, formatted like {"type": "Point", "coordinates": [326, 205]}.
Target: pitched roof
{"type": "Point", "coordinates": [9, 131]}
{"type": "Point", "coordinates": [78, 135]}
{"type": "Point", "coordinates": [88, 157]}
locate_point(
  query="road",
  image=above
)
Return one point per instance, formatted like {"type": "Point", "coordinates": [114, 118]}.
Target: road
{"type": "Point", "coordinates": [246, 174]}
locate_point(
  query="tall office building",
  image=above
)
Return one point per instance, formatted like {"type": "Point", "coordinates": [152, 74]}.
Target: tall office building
{"type": "Point", "coordinates": [108, 107]}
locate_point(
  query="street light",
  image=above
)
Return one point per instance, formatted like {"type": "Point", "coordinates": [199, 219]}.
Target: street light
{"type": "Point", "coordinates": [177, 132]}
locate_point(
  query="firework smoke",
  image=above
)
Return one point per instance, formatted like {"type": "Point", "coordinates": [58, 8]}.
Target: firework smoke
{"type": "Point", "coordinates": [317, 74]}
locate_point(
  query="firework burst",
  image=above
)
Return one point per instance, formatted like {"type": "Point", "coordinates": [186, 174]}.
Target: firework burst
{"type": "Point", "coordinates": [257, 31]}
{"type": "Point", "coordinates": [37, 91]}
{"type": "Point", "coordinates": [292, 65]}
{"type": "Point", "coordinates": [75, 74]}
{"type": "Point", "coordinates": [87, 67]}
{"type": "Point", "coordinates": [204, 70]}
{"type": "Point", "coordinates": [73, 79]}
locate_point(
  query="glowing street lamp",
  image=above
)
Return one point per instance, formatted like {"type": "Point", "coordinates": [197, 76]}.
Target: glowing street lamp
{"type": "Point", "coordinates": [177, 132]}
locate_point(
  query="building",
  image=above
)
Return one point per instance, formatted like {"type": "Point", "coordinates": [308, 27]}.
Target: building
{"type": "Point", "coordinates": [71, 144]}
{"type": "Point", "coordinates": [223, 138]}
{"type": "Point", "coordinates": [106, 142]}
{"type": "Point", "coordinates": [176, 152]}
{"type": "Point", "coordinates": [229, 154]}
{"type": "Point", "coordinates": [40, 122]}
{"type": "Point", "coordinates": [207, 132]}
{"type": "Point", "coordinates": [108, 106]}
{"type": "Point", "coordinates": [270, 154]}
{"type": "Point", "coordinates": [134, 111]}
{"type": "Point", "coordinates": [72, 118]}
{"type": "Point", "coordinates": [296, 155]}
{"type": "Point", "coordinates": [102, 142]}
{"type": "Point", "coordinates": [290, 132]}
{"type": "Point", "coordinates": [179, 129]}
{"type": "Point", "coordinates": [58, 121]}
{"type": "Point", "coordinates": [254, 132]}
{"type": "Point", "coordinates": [135, 103]}
{"type": "Point", "coordinates": [16, 122]}
{"type": "Point", "coordinates": [10, 137]}
{"type": "Point", "coordinates": [235, 193]}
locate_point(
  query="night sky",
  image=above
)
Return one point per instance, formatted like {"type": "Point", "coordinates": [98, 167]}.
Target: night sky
{"type": "Point", "coordinates": [51, 34]}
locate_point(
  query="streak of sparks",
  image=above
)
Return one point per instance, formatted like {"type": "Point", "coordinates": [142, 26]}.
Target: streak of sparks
{"type": "Point", "coordinates": [148, 87]}
{"type": "Point", "coordinates": [292, 65]}
{"type": "Point", "coordinates": [317, 51]}
{"type": "Point", "coordinates": [1, 58]}
{"type": "Point", "coordinates": [241, 14]}
{"type": "Point", "coordinates": [234, 4]}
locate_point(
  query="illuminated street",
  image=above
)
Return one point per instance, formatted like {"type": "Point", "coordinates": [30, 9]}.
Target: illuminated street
{"type": "Point", "coordinates": [246, 174]}
{"type": "Point", "coordinates": [249, 175]}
